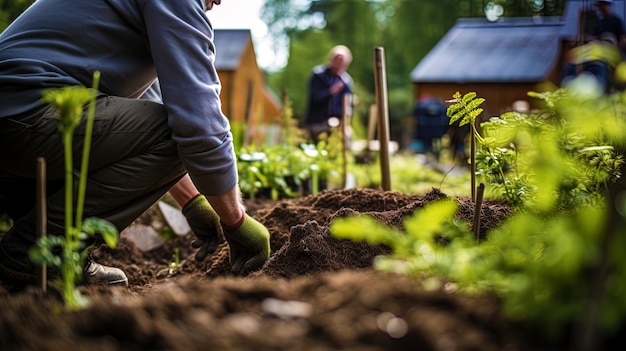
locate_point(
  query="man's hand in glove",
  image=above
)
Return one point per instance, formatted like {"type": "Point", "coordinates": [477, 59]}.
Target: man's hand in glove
{"type": "Point", "coordinates": [205, 224]}
{"type": "Point", "coordinates": [249, 243]}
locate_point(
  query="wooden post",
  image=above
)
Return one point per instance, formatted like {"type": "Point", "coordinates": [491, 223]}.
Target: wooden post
{"type": "Point", "coordinates": [383, 116]}
{"type": "Point", "coordinates": [345, 123]}
{"type": "Point", "coordinates": [371, 125]}
{"type": "Point", "coordinates": [473, 165]}
{"type": "Point", "coordinates": [41, 215]}
{"type": "Point", "coordinates": [477, 209]}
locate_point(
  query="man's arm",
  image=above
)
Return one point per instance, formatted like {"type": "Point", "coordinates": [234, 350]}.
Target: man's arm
{"type": "Point", "coordinates": [218, 217]}
{"type": "Point", "coordinates": [228, 206]}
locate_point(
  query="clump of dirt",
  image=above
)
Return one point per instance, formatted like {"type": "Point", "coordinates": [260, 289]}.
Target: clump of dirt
{"type": "Point", "coordinates": [316, 292]}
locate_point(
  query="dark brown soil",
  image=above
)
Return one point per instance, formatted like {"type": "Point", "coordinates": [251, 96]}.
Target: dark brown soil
{"type": "Point", "coordinates": [315, 293]}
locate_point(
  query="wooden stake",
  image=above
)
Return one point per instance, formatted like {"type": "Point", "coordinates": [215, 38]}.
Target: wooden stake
{"type": "Point", "coordinates": [371, 125]}
{"type": "Point", "coordinates": [345, 122]}
{"type": "Point", "coordinates": [41, 216]}
{"type": "Point", "coordinates": [477, 209]}
{"type": "Point", "coordinates": [383, 116]}
{"type": "Point", "coordinates": [473, 165]}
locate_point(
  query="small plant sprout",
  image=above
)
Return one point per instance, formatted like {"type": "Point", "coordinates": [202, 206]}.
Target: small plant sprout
{"type": "Point", "coordinates": [315, 179]}
{"type": "Point", "coordinates": [175, 263]}
{"type": "Point", "coordinates": [70, 102]}
{"type": "Point", "coordinates": [467, 108]}
{"type": "Point", "coordinates": [556, 262]}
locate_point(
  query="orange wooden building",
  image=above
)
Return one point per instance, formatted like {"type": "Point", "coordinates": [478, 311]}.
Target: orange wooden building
{"type": "Point", "coordinates": [245, 95]}
{"type": "Point", "coordinates": [502, 61]}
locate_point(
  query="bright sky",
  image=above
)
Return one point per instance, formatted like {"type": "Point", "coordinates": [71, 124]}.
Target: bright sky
{"type": "Point", "coordinates": [245, 14]}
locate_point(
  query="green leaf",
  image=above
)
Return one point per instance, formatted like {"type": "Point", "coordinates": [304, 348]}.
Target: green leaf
{"type": "Point", "coordinates": [69, 101]}
{"type": "Point", "coordinates": [456, 116]}
{"type": "Point", "coordinates": [474, 114]}
{"type": "Point", "coordinates": [430, 219]}
{"type": "Point", "coordinates": [363, 228]}
{"type": "Point", "coordinates": [468, 97]}
{"type": "Point", "coordinates": [454, 109]}
{"type": "Point", "coordinates": [106, 229]}
{"type": "Point", "coordinates": [41, 252]}
{"type": "Point", "coordinates": [475, 103]}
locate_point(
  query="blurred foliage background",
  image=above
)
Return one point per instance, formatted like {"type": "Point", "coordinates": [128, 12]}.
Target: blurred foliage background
{"type": "Point", "coordinates": [406, 29]}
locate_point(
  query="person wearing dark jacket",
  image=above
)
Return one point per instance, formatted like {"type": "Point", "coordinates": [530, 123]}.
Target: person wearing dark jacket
{"type": "Point", "coordinates": [327, 86]}
{"type": "Point", "coordinates": [141, 148]}
{"type": "Point", "coordinates": [609, 22]}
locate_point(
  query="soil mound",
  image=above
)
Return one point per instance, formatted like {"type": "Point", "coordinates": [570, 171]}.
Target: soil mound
{"type": "Point", "coordinates": [316, 292]}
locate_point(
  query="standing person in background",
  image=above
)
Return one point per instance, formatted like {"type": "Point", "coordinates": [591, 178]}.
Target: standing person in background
{"type": "Point", "coordinates": [611, 23]}
{"type": "Point", "coordinates": [327, 86]}
{"type": "Point", "coordinates": [431, 124]}
{"type": "Point", "coordinates": [598, 59]}
{"type": "Point", "coordinates": [141, 149]}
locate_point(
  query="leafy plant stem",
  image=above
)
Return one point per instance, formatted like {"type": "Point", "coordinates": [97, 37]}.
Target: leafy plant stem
{"type": "Point", "coordinates": [466, 109]}
{"type": "Point", "coordinates": [69, 275]}
{"type": "Point", "coordinates": [70, 103]}
{"type": "Point", "coordinates": [315, 182]}
{"type": "Point", "coordinates": [473, 164]}
{"type": "Point", "coordinates": [67, 143]}
{"type": "Point", "coordinates": [82, 183]}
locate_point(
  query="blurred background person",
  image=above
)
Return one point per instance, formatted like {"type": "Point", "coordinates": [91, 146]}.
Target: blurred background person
{"type": "Point", "coordinates": [611, 23]}
{"type": "Point", "coordinates": [327, 86]}
{"type": "Point", "coordinates": [597, 58]}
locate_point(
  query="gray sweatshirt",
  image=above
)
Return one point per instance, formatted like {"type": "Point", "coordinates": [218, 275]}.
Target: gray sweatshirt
{"type": "Point", "coordinates": [57, 43]}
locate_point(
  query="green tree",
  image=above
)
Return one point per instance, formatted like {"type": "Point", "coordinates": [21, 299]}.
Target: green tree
{"type": "Point", "coordinates": [308, 48]}
{"type": "Point", "coordinates": [513, 8]}
{"type": "Point", "coordinates": [411, 29]}
{"type": "Point", "coordinates": [354, 24]}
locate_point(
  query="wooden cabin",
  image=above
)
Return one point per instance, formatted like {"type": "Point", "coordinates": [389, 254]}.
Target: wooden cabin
{"type": "Point", "coordinates": [502, 61]}
{"type": "Point", "coordinates": [245, 95]}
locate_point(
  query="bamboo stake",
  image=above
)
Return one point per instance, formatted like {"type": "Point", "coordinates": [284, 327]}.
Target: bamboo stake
{"type": "Point", "coordinates": [371, 125]}
{"type": "Point", "coordinates": [477, 209]}
{"type": "Point", "coordinates": [383, 116]}
{"type": "Point", "coordinates": [41, 215]}
{"type": "Point", "coordinates": [473, 165]}
{"type": "Point", "coordinates": [345, 122]}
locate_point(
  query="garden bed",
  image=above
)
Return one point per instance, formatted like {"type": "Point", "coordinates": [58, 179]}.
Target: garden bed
{"type": "Point", "coordinates": [315, 293]}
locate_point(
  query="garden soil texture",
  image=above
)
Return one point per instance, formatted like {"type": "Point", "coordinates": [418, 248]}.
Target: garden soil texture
{"type": "Point", "coordinates": [316, 292]}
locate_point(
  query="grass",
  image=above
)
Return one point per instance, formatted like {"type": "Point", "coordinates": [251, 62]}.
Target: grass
{"type": "Point", "coordinates": [410, 175]}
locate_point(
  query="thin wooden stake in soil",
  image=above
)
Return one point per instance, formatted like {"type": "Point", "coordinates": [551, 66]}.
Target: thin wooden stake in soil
{"type": "Point", "coordinates": [473, 165]}
{"type": "Point", "coordinates": [345, 122]}
{"type": "Point", "coordinates": [383, 116]}
{"type": "Point", "coordinates": [371, 127]}
{"type": "Point", "coordinates": [477, 209]}
{"type": "Point", "coordinates": [41, 215]}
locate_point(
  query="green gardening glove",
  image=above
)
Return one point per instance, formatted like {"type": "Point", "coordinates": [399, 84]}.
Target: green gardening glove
{"type": "Point", "coordinates": [206, 226]}
{"type": "Point", "coordinates": [249, 243]}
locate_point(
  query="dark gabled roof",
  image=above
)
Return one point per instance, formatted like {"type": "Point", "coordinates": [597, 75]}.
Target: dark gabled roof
{"type": "Point", "coordinates": [511, 50]}
{"type": "Point", "coordinates": [474, 50]}
{"type": "Point", "coordinates": [229, 47]}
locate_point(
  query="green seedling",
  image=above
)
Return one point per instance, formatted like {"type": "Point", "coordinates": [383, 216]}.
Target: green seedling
{"type": "Point", "coordinates": [557, 261]}
{"type": "Point", "coordinates": [175, 263]}
{"type": "Point", "coordinates": [70, 102]}
{"type": "Point", "coordinates": [467, 108]}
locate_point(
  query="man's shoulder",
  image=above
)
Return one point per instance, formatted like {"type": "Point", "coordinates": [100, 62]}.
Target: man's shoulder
{"type": "Point", "coordinates": [615, 20]}
{"type": "Point", "coordinates": [319, 69]}
{"type": "Point", "coordinates": [346, 77]}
